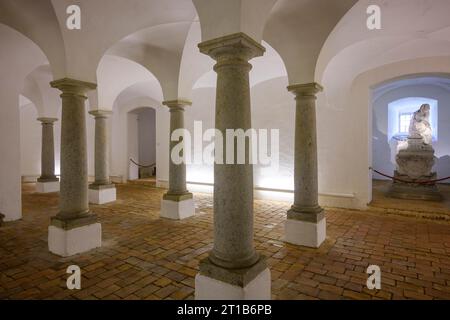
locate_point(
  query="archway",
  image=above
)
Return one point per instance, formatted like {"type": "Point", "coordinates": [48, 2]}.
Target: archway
{"type": "Point", "coordinates": [392, 103]}
{"type": "Point", "coordinates": [19, 57]}
{"type": "Point", "coordinates": [141, 142]}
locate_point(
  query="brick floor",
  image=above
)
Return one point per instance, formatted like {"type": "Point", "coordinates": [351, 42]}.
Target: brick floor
{"type": "Point", "coordinates": [145, 257]}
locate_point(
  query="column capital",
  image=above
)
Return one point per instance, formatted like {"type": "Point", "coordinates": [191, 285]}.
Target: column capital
{"type": "Point", "coordinates": [305, 90]}
{"type": "Point", "coordinates": [239, 44]}
{"type": "Point", "coordinates": [72, 86]}
{"type": "Point", "coordinates": [175, 104]}
{"type": "Point", "coordinates": [47, 120]}
{"type": "Point", "coordinates": [100, 113]}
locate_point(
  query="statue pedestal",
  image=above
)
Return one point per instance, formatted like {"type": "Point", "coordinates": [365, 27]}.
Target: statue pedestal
{"type": "Point", "coordinates": [415, 160]}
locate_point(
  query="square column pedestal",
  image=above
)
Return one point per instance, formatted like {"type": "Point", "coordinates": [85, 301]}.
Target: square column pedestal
{"type": "Point", "coordinates": [177, 207]}
{"type": "Point", "coordinates": [47, 186]}
{"type": "Point", "coordinates": [307, 230]}
{"type": "Point", "coordinates": [70, 237]}
{"type": "Point", "coordinates": [217, 283]}
{"type": "Point", "coordinates": [101, 194]}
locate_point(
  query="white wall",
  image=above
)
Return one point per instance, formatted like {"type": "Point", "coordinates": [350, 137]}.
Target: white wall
{"type": "Point", "coordinates": [273, 107]}
{"type": "Point", "coordinates": [18, 57]}
{"type": "Point", "coordinates": [10, 184]}
{"type": "Point", "coordinates": [133, 145]}
{"type": "Point", "coordinates": [382, 155]}
{"type": "Point", "coordinates": [202, 109]}
{"type": "Point", "coordinates": [30, 142]}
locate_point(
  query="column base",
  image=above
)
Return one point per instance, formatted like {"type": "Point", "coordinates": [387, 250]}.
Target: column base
{"type": "Point", "coordinates": [177, 207]}
{"type": "Point", "coordinates": [216, 283]}
{"type": "Point", "coordinates": [305, 233]}
{"type": "Point", "coordinates": [101, 194]}
{"type": "Point", "coordinates": [47, 186]}
{"type": "Point", "coordinates": [67, 238]}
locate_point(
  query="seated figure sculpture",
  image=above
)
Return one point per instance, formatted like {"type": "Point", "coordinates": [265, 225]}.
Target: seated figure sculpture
{"type": "Point", "coordinates": [420, 125]}
{"type": "Point", "coordinates": [415, 160]}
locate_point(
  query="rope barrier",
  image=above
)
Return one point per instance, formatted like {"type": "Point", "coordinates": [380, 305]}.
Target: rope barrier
{"type": "Point", "coordinates": [409, 181]}
{"type": "Point", "coordinates": [142, 166]}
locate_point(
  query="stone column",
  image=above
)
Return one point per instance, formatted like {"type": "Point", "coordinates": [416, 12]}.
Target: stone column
{"type": "Point", "coordinates": [102, 190]}
{"type": "Point", "coordinates": [306, 223]}
{"type": "Point", "coordinates": [233, 270]}
{"type": "Point", "coordinates": [47, 182]}
{"type": "Point", "coordinates": [74, 229]}
{"type": "Point", "coordinates": [178, 202]}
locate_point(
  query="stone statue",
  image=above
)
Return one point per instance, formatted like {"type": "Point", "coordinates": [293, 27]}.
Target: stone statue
{"type": "Point", "coordinates": [420, 125]}
{"type": "Point", "coordinates": [415, 160]}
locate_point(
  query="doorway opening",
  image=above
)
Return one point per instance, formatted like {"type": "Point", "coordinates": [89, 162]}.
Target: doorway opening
{"type": "Point", "coordinates": [142, 144]}
{"type": "Point", "coordinates": [393, 104]}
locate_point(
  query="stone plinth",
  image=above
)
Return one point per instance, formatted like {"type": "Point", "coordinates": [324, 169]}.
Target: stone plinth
{"type": "Point", "coordinates": [67, 237]}
{"type": "Point", "coordinates": [218, 283]}
{"type": "Point", "coordinates": [415, 161]}
{"type": "Point", "coordinates": [177, 207]}
{"type": "Point", "coordinates": [305, 233]}
{"type": "Point", "coordinates": [102, 193]}
{"type": "Point", "coordinates": [47, 186]}
{"type": "Point", "coordinates": [67, 243]}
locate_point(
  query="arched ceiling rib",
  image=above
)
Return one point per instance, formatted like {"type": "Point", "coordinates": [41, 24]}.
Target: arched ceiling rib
{"type": "Point", "coordinates": [411, 29]}
{"type": "Point", "coordinates": [298, 29]}
{"type": "Point", "coordinates": [76, 53]}
{"type": "Point", "coordinates": [115, 74]}
{"type": "Point", "coordinates": [139, 95]}
{"type": "Point", "coordinates": [314, 41]}
{"type": "Point", "coordinates": [219, 18]}
{"type": "Point", "coordinates": [439, 81]}
{"type": "Point", "coordinates": [108, 21]}
{"type": "Point", "coordinates": [37, 21]}
{"type": "Point", "coordinates": [160, 50]}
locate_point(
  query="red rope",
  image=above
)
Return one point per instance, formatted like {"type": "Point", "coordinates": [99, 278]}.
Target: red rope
{"type": "Point", "coordinates": [142, 166]}
{"type": "Point", "coordinates": [412, 182]}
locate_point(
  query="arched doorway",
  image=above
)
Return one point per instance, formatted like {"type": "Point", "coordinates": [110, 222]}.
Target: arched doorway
{"type": "Point", "coordinates": [393, 103]}
{"type": "Point", "coordinates": [141, 142]}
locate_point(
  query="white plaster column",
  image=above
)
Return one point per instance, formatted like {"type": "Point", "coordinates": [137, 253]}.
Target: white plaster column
{"type": "Point", "coordinates": [178, 202]}
{"type": "Point", "coordinates": [233, 270]}
{"type": "Point", "coordinates": [74, 229]}
{"type": "Point", "coordinates": [102, 190]}
{"type": "Point", "coordinates": [306, 223]}
{"type": "Point", "coordinates": [47, 182]}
